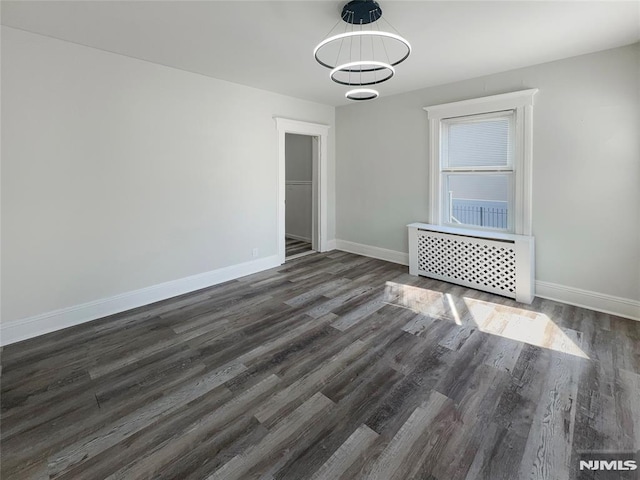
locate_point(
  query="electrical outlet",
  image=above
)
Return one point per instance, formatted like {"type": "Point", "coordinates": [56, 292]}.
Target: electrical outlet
{"type": "Point", "coordinates": [255, 252]}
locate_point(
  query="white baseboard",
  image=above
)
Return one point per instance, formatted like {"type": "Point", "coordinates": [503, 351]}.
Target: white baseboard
{"type": "Point", "coordinates": [15, 331]}
{"type": "Point", "coordinates": [48, 322]}
{"type": "Point", "coordinates": [297, 237]}
{"type": "Point", "coordinates": [373, 252]}
{"type": "Point", "coordinates": [622, 307]}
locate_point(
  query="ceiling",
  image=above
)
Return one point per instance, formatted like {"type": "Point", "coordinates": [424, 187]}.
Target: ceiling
{"type": "Point", "coordinates": [269, 44]}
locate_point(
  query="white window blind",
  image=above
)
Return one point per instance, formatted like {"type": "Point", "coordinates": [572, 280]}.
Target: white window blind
{"type": "Point", "coordinates": [478, 141]}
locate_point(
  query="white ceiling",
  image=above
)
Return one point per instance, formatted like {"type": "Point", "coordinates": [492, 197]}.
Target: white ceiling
{"type": "Point", "coordinates": [269, 44]}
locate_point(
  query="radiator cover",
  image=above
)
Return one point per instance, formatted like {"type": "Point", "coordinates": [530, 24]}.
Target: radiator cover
{"type": "Point", "coordinates": [493, 262]}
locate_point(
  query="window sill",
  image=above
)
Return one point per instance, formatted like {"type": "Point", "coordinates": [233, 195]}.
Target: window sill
{"type": "Point", "coordinates": [468, 232]}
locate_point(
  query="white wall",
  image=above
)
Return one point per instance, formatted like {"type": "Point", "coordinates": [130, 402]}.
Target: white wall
{"type": "Point", "coordinates": [586, 169]}
{"type": "Point", "coordinates": [299, 187]}
{"type": "Point", "coordinates": [120, 174]}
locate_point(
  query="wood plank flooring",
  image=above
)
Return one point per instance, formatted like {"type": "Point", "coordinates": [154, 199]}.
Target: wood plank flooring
{"type": "Point", "coordinates": [333, 366]}
{"type": "Point", "coordinates": [295, 247]}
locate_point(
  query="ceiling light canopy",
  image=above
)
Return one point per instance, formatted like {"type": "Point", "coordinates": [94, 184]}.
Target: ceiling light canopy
{"type": "Point", "coordinates": [362, 54]}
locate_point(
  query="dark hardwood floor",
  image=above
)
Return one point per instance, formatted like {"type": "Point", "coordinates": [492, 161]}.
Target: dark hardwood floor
{"type": "Point", "coordinates": [296, 247]}
{"type": "Point", "coordinates": [332, 366]}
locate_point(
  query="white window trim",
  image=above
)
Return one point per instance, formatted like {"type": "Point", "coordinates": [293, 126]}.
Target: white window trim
{"type": "Point", "coordinates": [522, 103]}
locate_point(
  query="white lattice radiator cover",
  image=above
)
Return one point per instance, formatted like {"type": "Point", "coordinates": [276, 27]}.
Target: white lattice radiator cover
{"type": "Point", "coordinates": [493, 262]}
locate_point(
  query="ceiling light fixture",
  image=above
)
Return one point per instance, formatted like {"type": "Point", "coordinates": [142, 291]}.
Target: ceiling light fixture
{"type": "Point", "coordinates": [365, 66]}
{"type": "Point", "coordinates": [363, 54]}
{"type": "Point", "coordinates": [362, 94]}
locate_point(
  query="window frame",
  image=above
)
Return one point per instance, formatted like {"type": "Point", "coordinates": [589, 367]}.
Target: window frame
{"type": "Point", "coordinates": [521, 103]}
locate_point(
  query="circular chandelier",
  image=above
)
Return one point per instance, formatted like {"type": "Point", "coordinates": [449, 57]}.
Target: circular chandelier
{"type": "Point", "coordinates": [362, 94]}
{"type": "Point", "coordinates": [362, 54]}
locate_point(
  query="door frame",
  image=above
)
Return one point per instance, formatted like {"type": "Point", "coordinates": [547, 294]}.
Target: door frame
{"type": "Point", "coordinates": [319, 226]}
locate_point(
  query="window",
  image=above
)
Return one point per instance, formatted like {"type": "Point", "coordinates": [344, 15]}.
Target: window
{"type": "Point", "coordinates": [481, 163]}
{"type": "Point", "coordinates": [476, 164]}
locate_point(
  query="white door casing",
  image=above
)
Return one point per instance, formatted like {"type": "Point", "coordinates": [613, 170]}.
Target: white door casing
{"type": "Point", "coordinates": [319, 227]}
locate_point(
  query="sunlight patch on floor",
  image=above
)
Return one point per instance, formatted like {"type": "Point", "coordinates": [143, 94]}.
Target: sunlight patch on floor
{"type": "Point", "coordinates": [530, 327]}
{"type": "Point", "coordinates": [533, 328]}
{"type": "Point", "coordinates": [453, 309]}
{"type": "Point", "coordinates": [420, 300]}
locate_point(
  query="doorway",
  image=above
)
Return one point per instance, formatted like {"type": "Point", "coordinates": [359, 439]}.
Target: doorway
{"type": "Point", "coordinates": [300, 158]}
{"type": "Point", "coordinates": [302, 188]}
